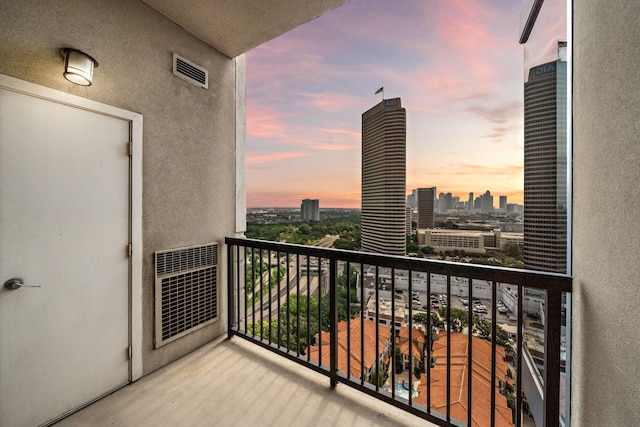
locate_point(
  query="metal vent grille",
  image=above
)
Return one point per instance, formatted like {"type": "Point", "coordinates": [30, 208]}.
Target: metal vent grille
{"type": "Point", "coordinates": [186, 291]}
{"type": "Point", "coordinates": [191, 72]}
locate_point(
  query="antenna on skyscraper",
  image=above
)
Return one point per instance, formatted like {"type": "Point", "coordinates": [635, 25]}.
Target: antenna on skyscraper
{"type": "Point", "coordinates": [380, 90]}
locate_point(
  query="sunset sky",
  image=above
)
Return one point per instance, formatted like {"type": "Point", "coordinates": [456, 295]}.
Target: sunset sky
{"type": "Point", "coordinates": [457, 66]}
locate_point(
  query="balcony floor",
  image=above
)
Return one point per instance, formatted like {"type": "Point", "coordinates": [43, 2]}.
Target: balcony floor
{"type": "Point", "coordinates": [236, 383]}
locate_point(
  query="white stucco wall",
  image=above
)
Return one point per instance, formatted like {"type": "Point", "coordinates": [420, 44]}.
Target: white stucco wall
{"type": "Point", "coordinates": [606, 210]}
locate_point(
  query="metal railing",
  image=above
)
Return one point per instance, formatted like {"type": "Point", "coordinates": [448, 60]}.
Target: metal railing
{"type": "Point", "coordinates": [368, 321]}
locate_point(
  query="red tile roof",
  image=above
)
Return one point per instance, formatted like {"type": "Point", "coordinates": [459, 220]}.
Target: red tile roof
{"type": "Point", "coordinates": [402, 341]}
{"type": "Point", "coordinates": [481, 381]}
{"type": "Point", "coordinates": [360, 355]}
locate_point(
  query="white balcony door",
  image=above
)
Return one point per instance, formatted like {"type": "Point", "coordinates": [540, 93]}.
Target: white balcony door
{"type": "Point", "coordinates": [64, 226]}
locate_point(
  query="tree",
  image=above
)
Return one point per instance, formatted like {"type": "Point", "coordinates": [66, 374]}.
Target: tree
{"type": "Point", "coordinates": [265, 330]}
{"type": "Point", "coordinates": [513, 250]}
{"type": "Point", "coordinates": [459, 318]}
{"type": "Point", "coordinates": [482, 328]}
{"type": "Point", "coordinates": [380, 377]}
{"type": "Point", "coordinates": [344, 311]}
{"type": "Point", "coordinates": [418, 370]}
{"type": "Point", "coordinates": [399, 365]}
{"type": "Point", "coordinates": [427, 250]}
{"type": "Point", "coordinates": [412, 244]}
{"type": "Point", "coordinates": [297, 324]}
{"type": "Point", "coordinates": [353, 277]}
{"type": "Point", "coordinates": [255, 266]}
{"type": "Point", "coordinates": [421, 319]}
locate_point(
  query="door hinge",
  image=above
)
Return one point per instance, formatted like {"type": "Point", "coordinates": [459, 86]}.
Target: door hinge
{"type": "Point", "coordinates": [129, 250]}
{"type": "Point", "coordinates": [130, 352]}
{"type": "Point", "coordinates": [130, 149]}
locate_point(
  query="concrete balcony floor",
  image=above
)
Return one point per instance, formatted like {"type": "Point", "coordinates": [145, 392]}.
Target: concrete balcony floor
{"type": "Point", "coordinates": [235, 383]}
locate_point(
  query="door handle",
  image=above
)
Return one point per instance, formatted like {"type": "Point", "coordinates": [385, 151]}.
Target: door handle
{"type": "Point", "coordinates": [17, 283]}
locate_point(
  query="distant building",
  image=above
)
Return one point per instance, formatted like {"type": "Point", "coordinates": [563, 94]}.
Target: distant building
{"type": "Point", "coordinates": [503, 203]}
{"type": "Point", "coordinates": [515, 208]}
{"type": "Point", "coordinates": [448, 202]}
{"type": "Point", "coordinates": [411, 348]}
{"type": "Point", "coordinates": [384, 311]}
{"type": "Point", "coordinates": [310, 210]}
{"type": "Point", "coordinates": [412, 198]}
{"type": "Point", "coordinates": [467, 240]}
{"type": "Point", "coordinates": [384, 141]}
{"type": "Point", "coordinates": [470, 202]}
{"type": "Point", "coordinates": [408, 219]}
{"type": "Point", "coordinates": [545, 168]}
{"type": "Point", "coordinates": [426, 207]}
{"type": "Point", "coordinates": [486, 202]}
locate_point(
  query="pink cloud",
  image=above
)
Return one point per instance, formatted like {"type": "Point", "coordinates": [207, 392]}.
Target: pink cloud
{"type": "Point", "coordinates": [332, 101]}
{"type": "Point", "coordinates": [455, 63]}
{"type": "Point", "coordinates": [350, 133]}
{"type": "Point", "coordinates": [265, 123]}
{"type": "Point", "coordinates": [253, 158]}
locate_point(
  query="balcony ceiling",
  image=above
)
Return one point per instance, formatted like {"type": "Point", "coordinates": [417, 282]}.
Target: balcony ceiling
{"type": "Point", "coordinates": [236, 26]}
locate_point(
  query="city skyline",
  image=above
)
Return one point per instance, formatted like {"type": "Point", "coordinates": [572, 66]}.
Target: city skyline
{"type": "Point", "coordinates": [460, 79]}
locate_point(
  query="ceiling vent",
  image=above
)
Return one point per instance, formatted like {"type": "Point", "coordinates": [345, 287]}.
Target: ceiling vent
{"type": "Point", "coordinates": [190, 72]}
{"type": "Point", "coordinates": [186, 291]}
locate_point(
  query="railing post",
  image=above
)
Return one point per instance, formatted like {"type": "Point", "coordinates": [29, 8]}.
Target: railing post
{"type": "Point", "coordinates": [552, 331]}
{"type": "Point", "coordinates": [333, 321]}
{"type": "Point", "coordinates": [230, 287]}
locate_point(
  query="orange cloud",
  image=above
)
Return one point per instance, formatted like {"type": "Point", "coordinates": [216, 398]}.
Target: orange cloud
{"type": "Point", "coordinates": [253, 158]}
{"type": "Point", "coordinates": [266, 198]}
{"type": "Point", "coordinates": [501, 170]}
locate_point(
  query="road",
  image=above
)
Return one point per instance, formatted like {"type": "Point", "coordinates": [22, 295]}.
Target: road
{"type": "Point", "coordinates": [326, 241]}
{"type": "Point", "coordinates": [270, 305]}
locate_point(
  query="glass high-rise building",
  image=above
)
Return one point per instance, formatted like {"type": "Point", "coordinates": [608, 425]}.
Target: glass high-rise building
{"type": "Point", "coordinates": [384, 178]}
{"type": "Point", "coordinates": [426, 207]}
{"type": "Point", "coordinates": [545, 168]}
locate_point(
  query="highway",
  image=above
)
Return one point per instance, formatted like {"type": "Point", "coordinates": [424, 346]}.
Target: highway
{"type": "Point", "coordinates": [271, 304]}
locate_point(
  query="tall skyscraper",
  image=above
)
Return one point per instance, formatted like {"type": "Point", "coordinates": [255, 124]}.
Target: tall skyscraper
{"type": "Point", "coordinates": [310, 210]}
{"type": "Point", "coordinates": [426, 206]}
{"type": "Point", "coordinates": [470, 203]}
{"type": "Point", "coordinates": [545, 168]}
{"type": "Point", "coordinates": [384, 178]}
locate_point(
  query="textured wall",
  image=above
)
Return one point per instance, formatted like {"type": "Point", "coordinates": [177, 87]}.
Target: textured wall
{"type": "Point", "coordinates": [189, 133]}
{"type": "Point", "coordinates": [606, 239]}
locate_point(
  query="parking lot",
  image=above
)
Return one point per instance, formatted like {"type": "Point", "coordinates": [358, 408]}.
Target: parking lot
{"type": "Point", "coordinates": [480, 307]}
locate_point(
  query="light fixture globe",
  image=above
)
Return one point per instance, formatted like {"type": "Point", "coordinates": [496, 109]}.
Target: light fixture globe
{"type": "Point", "coordinates": [78, 66]}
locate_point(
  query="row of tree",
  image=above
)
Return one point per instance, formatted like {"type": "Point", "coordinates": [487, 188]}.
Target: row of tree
{"type": "Point", "coordinates": [308, 233]}
{"type": "Point", "coordinates": [460, 321]}
{"type": "Point", "coordinates": [260, 277]}
{"type": "Point", "coordinates": [301, 317]}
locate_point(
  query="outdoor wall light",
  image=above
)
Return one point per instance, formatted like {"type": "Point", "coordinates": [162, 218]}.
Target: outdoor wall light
{"type": "Point", "coordinates": [78, 66]}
